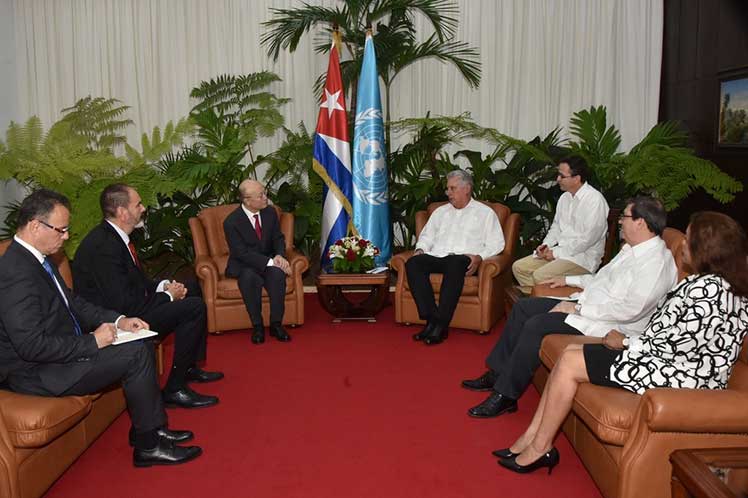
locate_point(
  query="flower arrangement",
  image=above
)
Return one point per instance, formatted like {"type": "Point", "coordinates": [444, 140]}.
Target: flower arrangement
{"type": "Point", "coordinates": [352, 255]}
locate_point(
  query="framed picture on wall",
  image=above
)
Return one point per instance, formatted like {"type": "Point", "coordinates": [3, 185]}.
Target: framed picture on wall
{"type": "Point", "coordinates": [732, 129]}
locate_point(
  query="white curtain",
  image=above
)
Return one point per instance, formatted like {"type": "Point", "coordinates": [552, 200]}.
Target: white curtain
{"type": "Point", "coordinates": [541, 60]}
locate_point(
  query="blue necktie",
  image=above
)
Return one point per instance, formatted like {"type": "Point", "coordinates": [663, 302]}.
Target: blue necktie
{"type": "Point", "coordinates": [49, 270]}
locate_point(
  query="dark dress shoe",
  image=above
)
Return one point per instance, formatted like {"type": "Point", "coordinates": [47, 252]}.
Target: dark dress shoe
{"type": "Point", "coordinates": [504, 453]}
{"type": "Point", "coordinates": [279, 333]}
{"type": "Point", "coordinates": [424, 332]}
{"type": "Point", "coordinates": [437, 335]}
{"type": "Point", "coordinates": [196, 374]}
{"type": "Point", "coordinates": [168, 435]}
{"type": "Point", "coordinates": [483, 383]}
{"type": "Point", "coordinates": [549, 460]}
{"type": "Point", "coordinates": [165, 453]}
{"type": "Point", "coordinates": [495, 405]}
{"type": "Point", "coordinates": [187, 398]}
{"type": "Point", "coordinates": [258, 335]}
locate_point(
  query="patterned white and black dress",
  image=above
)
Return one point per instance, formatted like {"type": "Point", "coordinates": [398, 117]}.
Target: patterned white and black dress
{"type": "Point", "coordinates": [691, 341]}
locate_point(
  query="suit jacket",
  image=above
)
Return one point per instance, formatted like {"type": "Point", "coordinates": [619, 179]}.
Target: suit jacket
{"type": "Point", "coordinates": [245, 249]}
{"type": "Point", "coordinates": [105, 274]}
{"type": "Point", "coordinates": [36, 330]}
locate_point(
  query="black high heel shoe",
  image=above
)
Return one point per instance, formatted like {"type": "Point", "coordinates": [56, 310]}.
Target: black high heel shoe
{"type": "Point", "coordinates": [549, 460]}
{"type": "Point", "coordinates": [504, 453]}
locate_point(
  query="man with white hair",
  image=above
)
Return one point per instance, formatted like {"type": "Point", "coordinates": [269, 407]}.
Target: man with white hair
{"type": "Point", "coordinates": [456, 238]}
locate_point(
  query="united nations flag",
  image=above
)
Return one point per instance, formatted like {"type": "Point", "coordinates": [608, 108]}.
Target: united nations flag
{"type": "Point", "coordinates": [371, 212]}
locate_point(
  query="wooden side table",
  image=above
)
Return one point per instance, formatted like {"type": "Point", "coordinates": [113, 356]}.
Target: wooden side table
{"type": "Point", "coordinates": [710, 473]}
{"type": "Point", "coordinates": [331, 287]}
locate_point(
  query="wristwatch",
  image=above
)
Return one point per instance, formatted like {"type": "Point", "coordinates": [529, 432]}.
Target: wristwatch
{"type": "Point", "coordinates": [578, 309]}
{"type": "Point", "coordinates": [625, 342]}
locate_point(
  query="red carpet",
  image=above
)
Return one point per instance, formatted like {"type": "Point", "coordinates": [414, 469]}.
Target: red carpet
{"type": "Point", "coordinates": [344, 410]}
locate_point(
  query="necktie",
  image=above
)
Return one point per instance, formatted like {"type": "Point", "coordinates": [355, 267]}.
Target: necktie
{"type": "Point", "coordinates": [48, 268]}
{"type": "Point", "coordinates": [258, 228]}
{"type": "Point", "coordinates": [134, 254]}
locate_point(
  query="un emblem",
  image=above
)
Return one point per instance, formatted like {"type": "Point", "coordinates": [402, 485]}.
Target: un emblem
{"type": "Point", "coordinates": [369, 168]}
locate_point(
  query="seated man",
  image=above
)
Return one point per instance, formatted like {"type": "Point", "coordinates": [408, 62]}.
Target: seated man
{"type": "Point", "coordinates": [456, 238]}
{"type": "Point", "coordinates": [54, 343]}
{"type": "Point", "coordinates": [107, 272]}
{"type": "Point", "coordinates": [620, 297]}
{"type": "Point", "coordinates": [257, 250]}
{"type": "Point", "coordinates": [576, 240]}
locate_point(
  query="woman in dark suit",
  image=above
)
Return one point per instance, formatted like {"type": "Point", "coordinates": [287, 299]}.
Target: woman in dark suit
{"type": "Point", "coordinates": [701, 321]}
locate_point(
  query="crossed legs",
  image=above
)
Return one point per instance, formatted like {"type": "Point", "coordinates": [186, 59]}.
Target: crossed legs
{"type": "Point", "coordinates": [554, 406]}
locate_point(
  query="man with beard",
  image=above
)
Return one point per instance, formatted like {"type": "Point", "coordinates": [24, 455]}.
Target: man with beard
{"type": "Point", "coordinates": [107, 272]}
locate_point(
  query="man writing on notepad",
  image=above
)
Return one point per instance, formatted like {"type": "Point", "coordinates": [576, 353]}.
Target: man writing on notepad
{"type": "Point", "coordinates": [620, 297]}
{"type": "Point", "coordinates": [54, 343]}
{"type": "Point", "coordinates": [107, 272]}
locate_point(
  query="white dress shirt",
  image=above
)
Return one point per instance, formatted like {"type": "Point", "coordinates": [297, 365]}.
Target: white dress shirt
{"type": "Point", "coordinates": [579, 226]}
{"type": "Point", "coordinates": [251, 215]}
{"type": "Point", "coordinates": [474, 229]}
{"type": "Point", "coordinates": [126, 239]}
{"type": "Point", "coordinates": [624, 293]}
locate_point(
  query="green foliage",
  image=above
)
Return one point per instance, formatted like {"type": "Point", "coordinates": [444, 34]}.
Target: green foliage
{"type": "Point", "coordinates": [660, 165]}
{"type": "Point", "coordinates": [79, 162]}
{"type": "Point", "coordinates": [394, 38]}
{"type": "Point", "coordinates": [100, 120]}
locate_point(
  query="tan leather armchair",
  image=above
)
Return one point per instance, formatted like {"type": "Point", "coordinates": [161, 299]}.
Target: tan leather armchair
{"type": "Point", "coordinates": [223, 300]}
{"type": "Point", "coordinates": [624, 439]}
{"type": "Point", "coordinates": [482, 302]}
{"type": "Point", "coordinates": [40, 437]}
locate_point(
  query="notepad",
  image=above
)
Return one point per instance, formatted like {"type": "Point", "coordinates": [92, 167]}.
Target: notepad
{"type": "Point", "coordinates": [124, 336]}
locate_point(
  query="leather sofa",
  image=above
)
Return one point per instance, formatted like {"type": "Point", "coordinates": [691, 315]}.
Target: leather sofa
{"type": "Point", "coordinates": [481, 304]}
{"type": "Point", "coordinates": [223, 300]}
{"type": "Point", "coordinates": [41, 437]}
{"type": "Point", "coordinates": [624, 439]}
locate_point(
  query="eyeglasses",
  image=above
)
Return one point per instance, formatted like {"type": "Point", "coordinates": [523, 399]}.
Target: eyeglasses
{"type": "Point", "coordinates": [61, 231]}
{"type": "Point", "coordinates": [259, 196]}
{"type": "Point", "coordinates": [621, 217]}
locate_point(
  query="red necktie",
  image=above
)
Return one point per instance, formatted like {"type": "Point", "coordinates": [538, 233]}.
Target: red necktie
{"type": "Point", "coordinates": [258, 228]}
{"type": "Point", "coordinates": [131, 246]}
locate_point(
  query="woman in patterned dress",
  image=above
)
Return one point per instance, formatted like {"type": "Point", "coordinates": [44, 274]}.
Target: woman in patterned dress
{"type": "Point", "coordinates": [692, 340]}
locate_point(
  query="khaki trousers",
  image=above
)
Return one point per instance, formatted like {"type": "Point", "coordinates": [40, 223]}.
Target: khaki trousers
{"type": "Point", "coordinates": [530, 271]}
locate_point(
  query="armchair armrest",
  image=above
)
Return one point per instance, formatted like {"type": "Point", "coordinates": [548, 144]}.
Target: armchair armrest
{"type": "Point", "coordinates": [695, 410]}
{"type": "Point", "coordinates": [490, 267]}
{"type": "Point", "coordinates": [398, 261]}
{"type": "Point", "coordinates": [546, 290]}
{"type": "Point", "coordinates": [207, 272]}
{"type": "Point", "coordinates": [297, 260]}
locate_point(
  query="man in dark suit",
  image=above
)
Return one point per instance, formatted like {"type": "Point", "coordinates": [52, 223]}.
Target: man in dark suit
{"type": "Point", "coordinates": [107, 272]}
{"type": "Point", "coordinates": [54, 343]}
{"type": "Point", "coordinates": [257, 251]}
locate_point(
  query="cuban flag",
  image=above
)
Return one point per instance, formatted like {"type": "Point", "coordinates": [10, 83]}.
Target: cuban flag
{"type": "Point", "coordinates": [371, 211]}
{"type": "Point", "coordinates": [332, 158]}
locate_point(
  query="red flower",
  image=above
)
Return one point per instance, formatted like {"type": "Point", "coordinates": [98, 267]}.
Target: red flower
{"type": "Point", "coordinates": [338, 242]}
{"type": "Point", "coordinates": [362, 243]}
{"type": "Point", "coordinates": [350, 255]}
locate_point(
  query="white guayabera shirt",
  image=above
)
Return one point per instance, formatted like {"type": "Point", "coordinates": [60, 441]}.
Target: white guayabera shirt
{"type": "Point", "coordinates": [624, 293]}
{"type": "Point", "coordinates": [474, 229]}
{"type": "Point", "coordinates": [577, 233]}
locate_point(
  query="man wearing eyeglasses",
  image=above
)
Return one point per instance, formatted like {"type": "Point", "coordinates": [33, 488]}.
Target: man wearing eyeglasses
{"type": "Point", "coordinates": [615, 303]}
{"type": "Point", "coordinates": [55, 343]}
{"type": "Point", "coordinates": [575, 242]}
{"type": "Point", "coordinates": [107, 272]}
{"type": "Point", "coordinates": [257, 250]}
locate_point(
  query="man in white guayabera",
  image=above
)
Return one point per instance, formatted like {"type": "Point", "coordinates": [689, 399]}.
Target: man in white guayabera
{"type": "Point", "coordinates": [576, 240]}
{"type": "Point", "coordinates": [456, 238]}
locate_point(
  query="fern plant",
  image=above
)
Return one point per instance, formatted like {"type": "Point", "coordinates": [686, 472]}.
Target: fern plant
{"type": "Point", "coordinates": [79, 162]}
{"type": "Point", "coordinates": [660, 165]}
